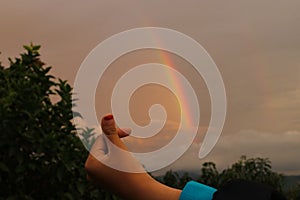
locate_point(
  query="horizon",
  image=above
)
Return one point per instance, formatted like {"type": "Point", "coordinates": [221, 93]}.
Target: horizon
{"type": "Point", "coordinates": [255, 45]}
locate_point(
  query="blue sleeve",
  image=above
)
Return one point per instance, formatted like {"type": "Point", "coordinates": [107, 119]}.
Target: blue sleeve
{"type": "Point", "coordinates": [197, 191]}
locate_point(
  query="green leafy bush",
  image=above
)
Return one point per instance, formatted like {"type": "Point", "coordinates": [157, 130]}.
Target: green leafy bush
{"type": "Point", "coordinates": [41, 156]}
{"type": "Point", "coordinates": [255, 169]}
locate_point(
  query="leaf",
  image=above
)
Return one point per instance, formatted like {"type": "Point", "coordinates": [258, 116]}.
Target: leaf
{"type": "Point", "coordinates": [68, 196]}
{"type": "Point", "coordinates": [80, 187]}
{"type": "Point", "coordinates": [77, 114]}
{"type": "Point", "coordinates": [27, 47]}
{"type": "Point", "coordinates": [3, 167]}
{"type": "Point", "coordinates": [36, 47]}
{"type": "Point", "coordinates": [59, 174]}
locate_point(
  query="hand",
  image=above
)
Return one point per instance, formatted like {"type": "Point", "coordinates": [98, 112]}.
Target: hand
{"type": "Point", "coordinates": [111, 151]}
{"type": "Point", "coordinates": [128, 184]}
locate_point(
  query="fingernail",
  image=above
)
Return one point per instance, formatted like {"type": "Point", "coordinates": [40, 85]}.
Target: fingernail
{"type": "Point", "coordinates": [109, 117]}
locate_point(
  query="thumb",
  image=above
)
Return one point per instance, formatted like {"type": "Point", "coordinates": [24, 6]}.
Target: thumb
{"type": "Point", "coordinates": [108, 125]}
{"type": "Point", "coordinates": [111, 131]}
{"type": "Point", "coordinates": [119, 157]}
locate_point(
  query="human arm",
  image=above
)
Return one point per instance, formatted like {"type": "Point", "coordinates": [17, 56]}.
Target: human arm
{"type": "Point", "coordinates": [127, 185]}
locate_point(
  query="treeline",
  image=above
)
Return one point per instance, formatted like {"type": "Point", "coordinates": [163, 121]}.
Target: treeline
{"type": "Point", "coordinates": [254, 169]}
{"type": "Point", "coordinates": [42, 156]}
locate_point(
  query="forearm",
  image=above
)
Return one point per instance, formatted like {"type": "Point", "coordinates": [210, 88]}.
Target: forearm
{"type": "Point", "coordinates": [128, 185]}
{"type": "Point", "coordinates": [143, 186]}
{"type": "Point", "coordinates": [118, 171]}
{"type": "Point", "coordinates": [158, 191]}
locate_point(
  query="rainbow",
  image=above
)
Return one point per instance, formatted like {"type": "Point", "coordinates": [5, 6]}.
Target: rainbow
{"type": "Point", "coordinates": [180, 92]}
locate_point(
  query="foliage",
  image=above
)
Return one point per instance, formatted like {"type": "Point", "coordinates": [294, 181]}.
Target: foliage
{"type": "Point", "coordinates": [175, 180]}
{"type": "Point", "coordinates": [293, 193]}
{"type": "Point", "coordinates": [256, 169]}
{"type": "Point", "coordinates": [41, 156]}
{"type": "Point", "coordinates": [171, 179]}
{"type": "Point", "coordinates": [184, 179]}
{"type": "Point", "coordinates": [209, 174]}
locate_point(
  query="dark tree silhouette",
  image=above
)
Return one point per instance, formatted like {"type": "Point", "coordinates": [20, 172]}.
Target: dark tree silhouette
{"type": "Point", "coordinates": [41, 156]}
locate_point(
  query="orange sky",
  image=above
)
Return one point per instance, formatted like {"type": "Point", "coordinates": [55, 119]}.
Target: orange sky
{"type": "Point", "coordinates": [255, 44]}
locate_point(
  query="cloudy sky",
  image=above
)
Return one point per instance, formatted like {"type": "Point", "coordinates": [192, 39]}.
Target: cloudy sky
{"type": "Point", "coordinates": [255, 44]}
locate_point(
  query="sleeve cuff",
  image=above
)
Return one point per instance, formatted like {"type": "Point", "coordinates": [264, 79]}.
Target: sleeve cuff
{"type": "Point", "coordinates": [197, 191]}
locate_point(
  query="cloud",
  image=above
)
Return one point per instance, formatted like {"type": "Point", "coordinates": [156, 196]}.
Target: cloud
{"type": "Point", "coordinates": [255, 46]}
{"type": "Point", "coordinates": [282, 149]}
